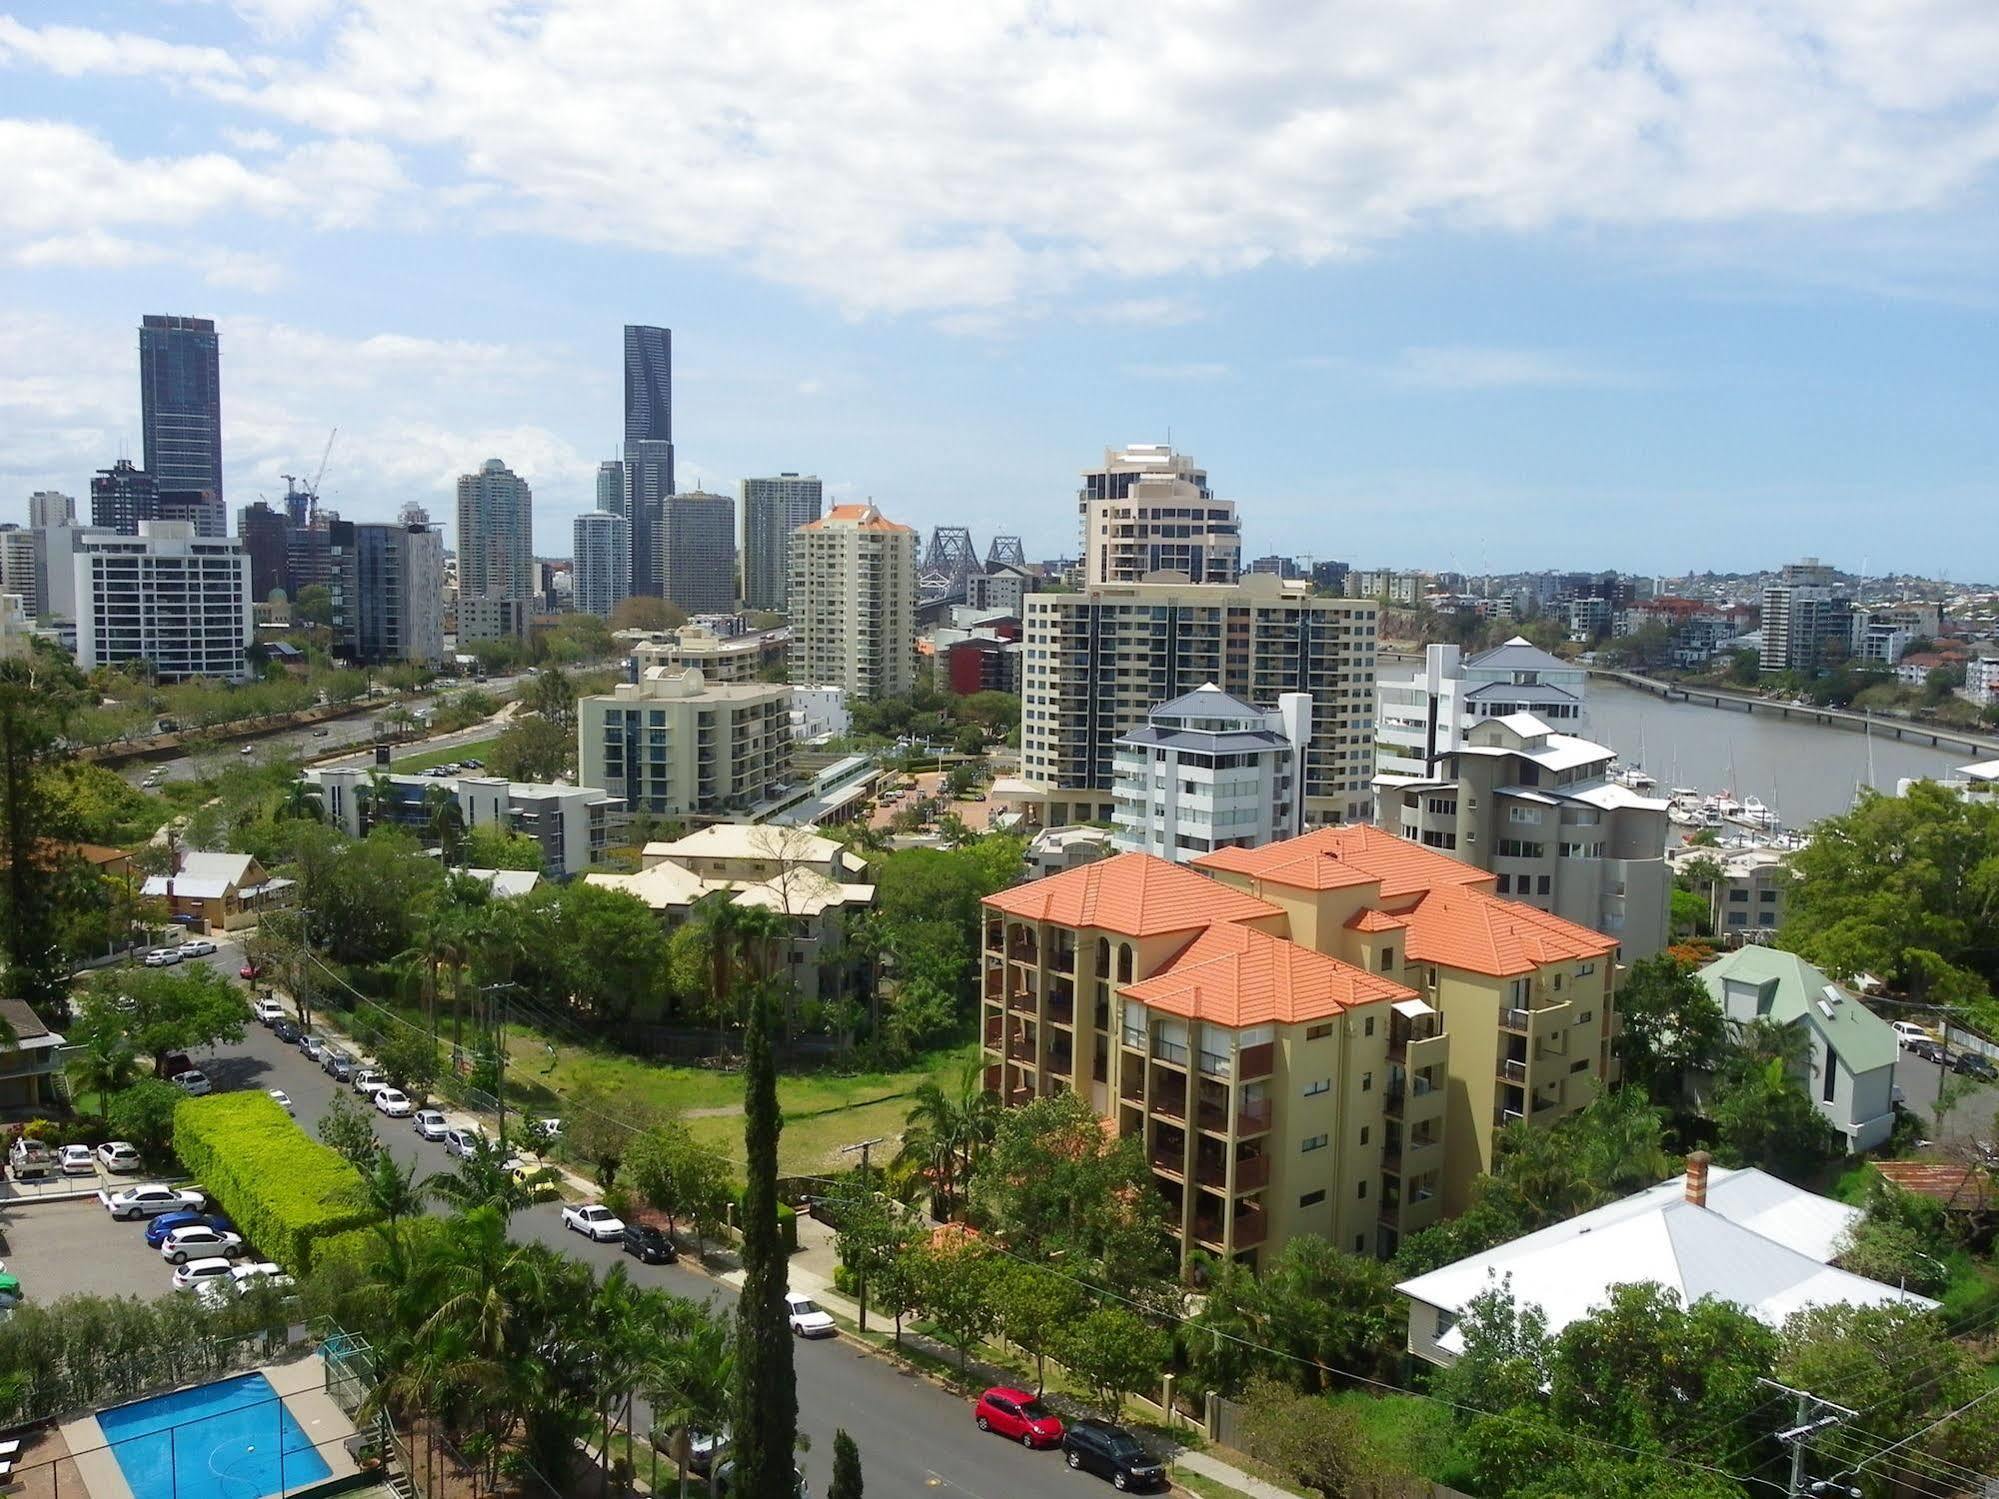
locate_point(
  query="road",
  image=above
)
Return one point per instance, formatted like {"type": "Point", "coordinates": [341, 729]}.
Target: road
{"type": "Point", "coordinates": [1970, 1117]}
{"type": "Point", "coordinates": [914, 1438]}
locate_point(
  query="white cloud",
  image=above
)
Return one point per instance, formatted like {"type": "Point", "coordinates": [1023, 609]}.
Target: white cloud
{"type": "Point", "coordinates": [261, 141]}
{"type": "Point", "coordinates": [1472, 368]}
{"type": "Point", "coordinates": [91, 248]}
{"type": "Point", "coordinates": [1145, 312]}
{"type": "Point", "coordinates": [74, 51]}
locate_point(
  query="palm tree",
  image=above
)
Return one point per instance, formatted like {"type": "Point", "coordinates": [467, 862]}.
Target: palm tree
{"type": "Point", "coordinates": [947, 1133]}
{"type": "Point", "coordinates": [482, 1182]}
{"type": "Point", "coordinates": [742, 944]}
{"type": "Point", "coordinates": [624, 1325]}
{"type": "Point", "coordinates": [104, 1066]}
{"type": "Point", "coordinates": [443, 823]}
{"type": "Point", "coordinates": [696, 1375]}
{"type": "Point", "coordinates": [301, 801]}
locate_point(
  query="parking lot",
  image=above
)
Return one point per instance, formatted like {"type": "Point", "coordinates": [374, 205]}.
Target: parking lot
{"type": "Point", "coordinates": [71, 1248]}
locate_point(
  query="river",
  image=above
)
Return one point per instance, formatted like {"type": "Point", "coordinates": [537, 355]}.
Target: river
{"type": "Point", "coordinates": [1805, 771]}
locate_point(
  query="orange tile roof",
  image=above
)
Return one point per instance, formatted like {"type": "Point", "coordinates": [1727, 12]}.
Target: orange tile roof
{"type": "Point", "coordinates": [1472, 929]}
{"type": "Point", "coordinates": [865, 517]}
{"type": "Point", "coordinates": [1134, 895]}
{"type": "Point", "coordinates": [1236, 976]}
{"type": "Point", "coordinates": [1353, 854]}
{"type": "Point", "coordinates": [1371, 920]}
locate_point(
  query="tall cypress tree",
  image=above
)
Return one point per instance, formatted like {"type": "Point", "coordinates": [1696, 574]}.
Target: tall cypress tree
{"type": "Point", "coordinates": [846, 1467]}
{"type": "Point", "coordinates": [39, 688]}
{"type": "Point", "coordinates": [766, 1424]}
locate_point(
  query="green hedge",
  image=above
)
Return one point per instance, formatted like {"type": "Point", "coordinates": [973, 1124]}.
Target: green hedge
{"type": "Point", "coordinates": [285, 1190]}
{"type": "Point", "coordinates": [787, 1222]}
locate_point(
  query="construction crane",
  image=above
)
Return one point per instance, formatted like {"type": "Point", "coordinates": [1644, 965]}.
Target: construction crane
{"type": "Point", "coordinates": [325, 454]}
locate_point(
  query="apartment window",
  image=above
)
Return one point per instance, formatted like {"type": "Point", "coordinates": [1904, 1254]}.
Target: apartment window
{"type": "Point", "coordinates": [1738, 897]}
{"type": "Point", "coordinates": [1367, 1026]}
{"type": "Point", "coordinates": [1586, 1017]}
{"type": "Point", "coordinates": [1367, 1082]}
{"type": "Point", "coordinates": [1445, 1322]}
{"type": "Point", "coordinates": [1506, 884]}
{"type": "Point", "coordinates": [1360, 1191]}
{"type": "Point", "coordinates": [1311, 1143]}
{"type": "Point", "coordinates": [1831, 1080]}
{"type": "Point", "coordinates": [1541, 885]}
{"type": "Point", "coordinates": [1388, 958]}
{"type": "Point", "coordinates": [1365, 1131]}
{"type": "Point", "coordinates": [1584, 970]}
{"type": "Point", "coordinates": [1317, 1032]}
{"type": "Point", "coordinates": [1312, 1199]}
{"type": "Point", "coordinates": [1558, 983]}
{"type": "Point", "coordinates": [1524, 814]}
{"type": "Point", "coordinates": [1323, 1085]}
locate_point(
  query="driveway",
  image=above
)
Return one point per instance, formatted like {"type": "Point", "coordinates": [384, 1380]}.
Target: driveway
{"type": "Point", "coordinates": [74, 1248]}
{"type": "Point", "coordinates": [914, 1438]}
{"type": "Point", "coordinates": [1971, 1115]}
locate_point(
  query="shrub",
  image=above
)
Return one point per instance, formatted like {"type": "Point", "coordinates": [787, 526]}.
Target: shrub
{"type": "Point", "coordinates": [284, 1189]}
{"type": "Point", "coordinates": [787, 1223]}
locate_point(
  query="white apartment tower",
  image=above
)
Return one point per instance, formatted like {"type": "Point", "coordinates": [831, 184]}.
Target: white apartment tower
{"type": "Point", "coordinates": [603, 552]}
{"type": "Point", "coordinates": [1211, 771]}
{"type": "Point", "coordinates": [50, 507]}
{"type": "Point", "coordinates": [165, 596]}
{"type": "Point", "coordinates": [1426, 715]}
{"type": "Point", "coordinates": [853, 603]}
{"type": "Point", "coordinates": [495, 553]}
{"type": "Point", "coordinates": [772, 509]}
{"type": "Point", "coordinates": [1149, 510]}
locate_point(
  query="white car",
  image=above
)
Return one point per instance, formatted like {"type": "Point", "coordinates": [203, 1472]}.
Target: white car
{"type": "Point", "coordinates": [268, 1011]}
{"type": "Point", "coordinates": [250, 1278]}
{"type": "Point", "coordinates": [194, 1084]}
{"type": "Point", "coordinates": [594, 1221]}
{"type": "Point", "coordinates": [151, 1200]}
{"type": "Point", "coordinates": [370, 1080]}
{"type": "Point", "coordinates": [393, 1102]}
{"type": "Point", "coordinates": [162, 957]}
{"type": "Point", "coordinates": [805, 1317]}
{"type": "Point", "coordinates": [198, 947]}
{"type": "Point", "coordinates": [194, 1272]}
{"type": "Point", "coordinates": [430, 1124]}
{"type": "Point", "coordinates": [284, 1101]}
{"type": "Point", "coordinates": [313, 1045]}
{"type": "Point", "coordinates": [200, 1241]}
{"type": "Point", "coordinates": [1908, 1033]}
{"type": "Point", "coordinates": [78, 1161]}
{"type": "Point", "coordinates": [121, 1156]}
{"type": "Point", "coordinates": [463, 1143]}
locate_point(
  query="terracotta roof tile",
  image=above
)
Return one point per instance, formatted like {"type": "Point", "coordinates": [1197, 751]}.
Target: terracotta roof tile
{"type": "Point", "coordinates": [1238, 976]}
{"type": "Point", "coordinates": [1371, 920]}
{"type": "Point", "coordinates": [1353, 854]}
{"type": "Point", "coordinates": [1134, 895]}
{"type": "Point", "coordinates": [865, 517]}
{"type": "Point", "coordinates": [1471, 929]}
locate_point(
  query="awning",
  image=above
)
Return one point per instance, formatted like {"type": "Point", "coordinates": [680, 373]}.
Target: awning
{"type": "Point", "coordinates": [1413, 1009]}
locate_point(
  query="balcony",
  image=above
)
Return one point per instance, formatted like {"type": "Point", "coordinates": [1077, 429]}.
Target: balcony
{"type": "Point", "coordinates": [1131, 1088]}
{"type": "Point", "coordinates": [1518, 1021]}
{"type": "Point", "coordinates": [1062, 1011]}
{"type": "Point", "coordinates": [1063, 959]}
{"type": "Point", "coordinates": [1513, 1069]}
{"type": "Point", "coordinates": [1248, 1121]}
{"type": "Point", "coordinates": [1252, 1172]}
{"type": "Point", "coordinates": [1170, 1159]}
{"type": "Point", "coordinates": [990, 1079]}
{"type": "Point", "coordinates": [1023, 949]}
{"type": "Point", "coordinates": [1169, 1103]}
{"type": "Point", "coordinates": [1169, 1052]}
{"type": "Point", "coordinates": [1250, 1228]}
{"type": "Point", "coordinates": [994, 1033]}
{"type": "Point", "coordinates": [1061, 1062]}
{"type": "Point", "coordinates": [1253, 1062]}
{"type": "Point", "coordinates": [1021, 1049]}
{"type": "Point", "coordinates": [1503, 1116]}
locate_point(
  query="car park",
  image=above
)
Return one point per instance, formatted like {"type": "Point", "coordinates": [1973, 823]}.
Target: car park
{"type": "Point", "coordinates": [76, 1160]}
{"type": "Point", "coordinates": [431, 1125]}
{"type": "Point", "coordinates": [120, 1156]}
{"type": "Point", "coordinates": [268, 1011]}
{"type": "Point", "coordinates": [1019, 1415]}
{"type": "Point", "coordinates": [370, 1080]}
{"type": "Point", "coordinates": [1098, 1447]}
{"type": "Point", "coordinates": [806, 1317]}
{"type": "Point", "coordinates": [30, 1160]}
{"type": "Point", "coordinates": [197, 947]}
{"type": "Point", "coordinates": [463, 1143]}
{"type": "Point", "coordinates": [283, 1100]}
{"type": "Point", "coordinates": [162, 957]}
{"type": "Point", "coordinates": [194, 1083]}
{"type": "Point", "coordinates": [394, 1102]}
{"type": "Point", "coordinates": [648, 1245]}
{"type": "Point", "coordinates": [286, 1031]}
{"type": "Point", "coordinates": [195, 1272]}
{"type": "Point", "coordinates": [167, 1223]}
{"type": "Point", "coordinates": [200, 1241]}
{"type": "Point", "coordinates": [594, 1221]}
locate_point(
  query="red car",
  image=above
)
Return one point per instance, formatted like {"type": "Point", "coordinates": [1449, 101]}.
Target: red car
{"type": "Point", "coordinates": [1015, 1413]}
{"type": "Point", "coordinates": [248, 971]}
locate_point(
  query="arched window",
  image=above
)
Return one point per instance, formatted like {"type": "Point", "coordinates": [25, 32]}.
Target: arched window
{"type": "Point", "coordinates": [1124, 963]}
{"type": "Point", "coordinates": [1103, 957]}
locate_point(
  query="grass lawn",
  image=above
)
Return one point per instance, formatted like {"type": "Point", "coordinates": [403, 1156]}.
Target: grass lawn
{"type": "Point", "coordinates": [478, 749]}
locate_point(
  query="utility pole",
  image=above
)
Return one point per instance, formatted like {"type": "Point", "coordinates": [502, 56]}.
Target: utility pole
{"type": "Point", "coordinates": [496, 1021]}
{"type": "Point", "coordinates": [861, 1281]}
{"type": "Point", "coordinates": [1813, 1416]}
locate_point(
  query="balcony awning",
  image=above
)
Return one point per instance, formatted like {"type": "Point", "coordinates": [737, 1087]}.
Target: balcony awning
{"type": "Point", "coordinates": [1413, 1009]}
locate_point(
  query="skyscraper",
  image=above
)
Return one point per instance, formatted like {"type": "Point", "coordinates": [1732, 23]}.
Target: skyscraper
{"type": "Point", "coordinates": [180, 402]}
{"type": "Point", "coordinates": [121, 496]}
{"type": "Point", "coordinates": [697, 542]}
{"type": "Point", "coordinates": [50, 507]}
{"type": "Point", "coordinates": [1149, 509]}
{"type": "Point", "coordinates": [121, 581]}
{"type": "Point", "coordinates": [853, 603]}
{"type": "Point", "coordinates": [648, 447]}
{"type": "Point", "coordinates": [198, 507]}
{"type": "Point", "coordinates": [389, 593]}
{"type": "Point", "coordinates": [266, 536]}
{"type": "Point", "coordinates": [603, 553]}
{"type": "Point", "coordinates": [772, 510]}
{"type": "Point", "coordinates": [495, 553]}
{"type": "Point", "coordinates": [611, 486]}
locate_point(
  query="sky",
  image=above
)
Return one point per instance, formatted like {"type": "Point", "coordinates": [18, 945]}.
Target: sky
{"type": "Point", "coordinates": [1648, 284]}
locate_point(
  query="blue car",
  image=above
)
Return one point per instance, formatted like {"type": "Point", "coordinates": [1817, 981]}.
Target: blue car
{"type": "Point", "coordinates": [158, 1229]}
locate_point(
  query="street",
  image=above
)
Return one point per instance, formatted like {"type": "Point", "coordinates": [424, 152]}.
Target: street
{"type": "Point", "coordinates": [1970, 1118]}
{"type": "Point", "coordinates": [914, 1438]}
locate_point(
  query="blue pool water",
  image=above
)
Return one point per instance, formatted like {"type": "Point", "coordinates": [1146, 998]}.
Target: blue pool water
{"type": "Point", "coordinates": [229, 1440]}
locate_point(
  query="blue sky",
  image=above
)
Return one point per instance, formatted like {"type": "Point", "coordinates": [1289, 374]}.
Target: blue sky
{"type": "Point", "coordinates": [1653, 285]}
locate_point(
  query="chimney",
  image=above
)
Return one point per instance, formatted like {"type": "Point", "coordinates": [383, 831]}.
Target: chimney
{"type": "Point", "coordinates": [1697, 1165]}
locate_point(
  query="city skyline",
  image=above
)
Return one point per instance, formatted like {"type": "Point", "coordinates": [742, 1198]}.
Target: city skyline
{"type": "Point", "coordinates": [1670, 343]}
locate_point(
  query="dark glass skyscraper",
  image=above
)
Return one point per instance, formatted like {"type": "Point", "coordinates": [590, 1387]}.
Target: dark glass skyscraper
{"type": "Point", "coordinates": [180, 402]}
{"type": "Point", "coordinates": [648, 448]}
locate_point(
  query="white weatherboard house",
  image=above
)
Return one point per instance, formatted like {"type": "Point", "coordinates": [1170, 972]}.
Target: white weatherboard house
{"type": "Point", "coordinates": [1739, 1236]}
{"type": "Point", "coordinates": [1850, 1072]}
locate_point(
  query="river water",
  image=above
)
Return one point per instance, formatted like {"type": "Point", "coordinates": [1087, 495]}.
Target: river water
{"type": "Point", "coordinates": [1806, 772]}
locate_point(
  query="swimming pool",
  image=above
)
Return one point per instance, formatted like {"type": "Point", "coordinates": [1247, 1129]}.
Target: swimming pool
{"type": "Point", "coordinates": [215, 1441]}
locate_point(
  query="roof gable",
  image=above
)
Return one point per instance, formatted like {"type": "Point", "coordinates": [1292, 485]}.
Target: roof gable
{"type": "Point", "coordinates": [1234, 975]}
{"type": "Point", "coordinates": [1133, 894]}
{"type": "Point", "coordinates": [1863, 1039]}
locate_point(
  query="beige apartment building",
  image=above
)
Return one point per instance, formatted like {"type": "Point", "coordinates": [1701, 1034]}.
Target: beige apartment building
{"type": "Point", "coordinates": [1149, 509]}
{"type": "Point", "coordinates": [719, 658]}
{"type": "Point", "coordinates": [1095, 663]}
{"type": "Point", "coordinates": [852, 598]}
{"type": "Point", "coordinates": [1317, 1036]}
{"type": "Point", "coordinates": [676, 745]}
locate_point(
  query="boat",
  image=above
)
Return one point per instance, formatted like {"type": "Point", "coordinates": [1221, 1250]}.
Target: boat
{"type": "Point", "coordinates": [1721, 807]}
{"type": "Point", "coordinates": [1634, 779]}
{"type": "Point", "coordinates": [1755, 814]}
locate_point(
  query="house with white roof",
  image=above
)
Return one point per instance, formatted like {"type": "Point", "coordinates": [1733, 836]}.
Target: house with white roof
{"type": "Point", "coordinates": [1849, 1067]}
{"type": "Point", "coordinates": [217, 891]}
{"type": "Point", "coordinates": [1743, 1237]}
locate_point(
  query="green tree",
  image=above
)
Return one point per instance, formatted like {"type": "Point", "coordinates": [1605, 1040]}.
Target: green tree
{"type": "Point", "coordinates": [955, 1287]}
{"type": "Point", "coordinates": [645, 613]}
{"type": "Point", "coordinates": [874, 1236]}
{"type": "Point", "coordinates": [695, 1386]}
{"type": "Point", "coordinates": [1116, 1354]}
{"type": "Point", "coordinates": [1762, 1117]}
{"type": "Point", "coordinates": [846, 1467]}
{"type": "Point", "coordinates": [501, 848]}
{"type": "Point", "coordinates": [314, 606]}
{"type": "Point", "coordinates": [40, 692]}
{"type": "Point", "coordinates": [1336, 1311]}
{"type": "Point", "coordinates": [611, 953]}
{"type": "Point", "coordinates": [103, 1063]}
{"type": "Point", "coordinates": [1507, 1355]}
{"type": "Point", "coordinates": [531, 748]}
{"type": "Point", "coordinates": [349, 1128]}
{"type": "Point", "coordinates": [946, 1133]}
{"type": "Point", "coordinates": [678, 1175]}
{"type": "Point", "coordinates": [410, 1059]}
{"type": "Point", "coordinates": [162, 1010]}
{"type": "Point", "coordinates": [1035, 1308]}
{"type": "Point", "coordinates": [766, 1421]}
{"type": "Point", "coordinates": [144, 1114]}
{"type": "Point", "coordinates": [1314, 1443]}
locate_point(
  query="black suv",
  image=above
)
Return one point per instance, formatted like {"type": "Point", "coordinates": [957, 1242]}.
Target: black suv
{"type": "Point", "coordinates": [648, 1245]}
{"type": "Point", "coordinates": [1111, 1452]}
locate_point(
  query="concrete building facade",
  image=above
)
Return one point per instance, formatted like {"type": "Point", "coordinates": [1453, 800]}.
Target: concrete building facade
{"type": "Point", "coordinates": [602, 548]}
{"type": "Point", "coordinates": [388, 591]}
{"type": "Point", "coordinates": [1425, 715]}
{"type": "Point", "coordinates": [1209, 771]}
{"type": "Point", "coordinates": [697, 541]}
{"type": "Point", "coordinates": [573, 824]}
{"type": "Point", "coordinates": [1149, 510]}
{"type": "Point", "coordinates": [50, 507]}
{"type": "Point", "coordinates": [853, 603]}
{"type": "Point", "coordinates": [495, 553]}
{"type": "Point", "coordinates": [167, 597]}
{"type": "Point", "coordinates": [772, 509]}
{"type": "Point", "coordinates": [676, 745]}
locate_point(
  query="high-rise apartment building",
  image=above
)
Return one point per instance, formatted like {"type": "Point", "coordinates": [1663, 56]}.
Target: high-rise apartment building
{"type": "Point", "coordinates": [1807, 619]}
{"type": "Point", "coordinates": [495, 553]}
{"type": "Point", "coordinates": [1149, 509]}
{"type": "Point", "coordinates": [1425, 715]}
{"type": "Point", "coordinates": [611, 487]}
{"type": "Point", "coordinates": [697, 542]}
{"type": "Point", "coordinates": [121, 496]}
{"type": "Point", "coordinates": [50, 507]}
{"type": "Point", "coordinates": [265, 531]}
{"type": "Point", "coordinates": [1209, 771]}
{"type": "Point", "coordinates": [772, 509]}
{"type": "Point", "coordinates": [21, 568]}
{"type": "Point", "coordinates": [853, 603]}
{"type": "Point", "coordinates": [603, 551]}
{"type": "Point", "coordinates": [180, 403]}
{"type": "Point", "coordinates": [1095, 663]}
{"type": "Point", "coordinates": [200, 508]}
{"type": "Point", "coordinates": [388, 591]}
{"type": "Point", "coordinates": [648, 453]}
{"type": "Point", "coordinates": [675, 745]}
{"type": "Point", "coordinates": [177, 601]}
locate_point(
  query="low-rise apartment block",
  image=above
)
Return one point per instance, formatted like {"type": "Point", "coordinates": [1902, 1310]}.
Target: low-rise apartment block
{"type": "Point", "coordinates": [676, 745]}
{"type": "Point", "coordinates": [573, 824]}
{"type": "Point", "coordinates": [742, 657]}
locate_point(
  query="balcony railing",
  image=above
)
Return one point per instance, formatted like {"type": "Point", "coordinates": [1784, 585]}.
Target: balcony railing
{"type": "Point", "coordinates": [1503, 1116]}
{"type": "Point", "coordinates": [1250, 1229]}
{"type": "Point", "coordinates": [1020, 1049]}
{"type": "Point", "coordinates": [1253, 1062]}
{"type": "Point", "coordinates": [1514, 1071]}
{"type": "Point", "coordinates": [1170, 1105]}
{"type": "Point", "coordinates": [1062, 1011]}
{"type": "Point", "coordinates": [1169, 1051]}
{"type": "Point", "coordinates": [994, 1032]}
{"type": "Point", "coordinates": [1063, 960]}
{"type": "Point", "coordinates": [1252, 1172]}
{"type": "Point", "coordinates": [1170, 1160]}
{"type": "Point", "coordinates": [1248, 1121]}
{"type": "Point", "coordinates": [1515, 1020]}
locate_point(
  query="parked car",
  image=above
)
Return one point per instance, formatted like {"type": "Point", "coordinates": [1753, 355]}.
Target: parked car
{"type": "Point", "coordinates": [268, 1011]}
{"type": "Point", "coordinates": [264, 1273]}
{"type": "Point", "coordinates": [648, 1245]}
{"type": "Point", "coordinates": [162, 957]}
{"type": "Point", "coordinates": [249, 971]}
{"type": "Point", "coordinates": [1974, 1064]}
{"type": "Point", "coordinates": [394, 1102]}
{"type": "Point", "coordinates": [594, 1221]}
{"type": "Point", "coordinates": [197, 947]}
{"type": "Point", "coordinates": [463, 1143]}
{"type": "Point", "coordinates": [724, 1481]}
{"type": "Point", "coordinates": [474, 764]}
{"type": "Point", "coordinates": [77, 1160]}
{"type": "Point", "coordinates": [1907, 1032]}
{"type": "Point", "coordinates": [313, 1045]}
{"type": "Point", "coordinates": [166, 1223]}
{"type": "Point", "coordinates": [120, 1156]}
{"type": "Point", "coordinates": [174, 1063]}
{"type": "Point", "coordinates": [430, 1124]}
{"type": "Point", "coordinates": [338, 1065]}
{"type": "Point", "coordinates": [806, 1317]}
{"type": "Point", "coordinates": [199, 1241]}
{"type": "Point", "coordinates": [1017, 1414]}
{"type": "Point", "coordinates": [1093, 1446]}
{"type": "Point", "coordinates": [195, 1272]}
{"type": "Point", "coordinates": [703, 1447]}
{"type": "Point", "coordinates": [286, 1031]}
{"type": "Point", "coordinates": [319, 733]}
{"type": "Point", "coordinates": [195, 1084]}
{"type": "Point", "coordinates": [370, 1080]}
{"type": "Point", "coordinates": [283, 1100]}
{"type": "Point", "coordinates": [30, 1160]}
